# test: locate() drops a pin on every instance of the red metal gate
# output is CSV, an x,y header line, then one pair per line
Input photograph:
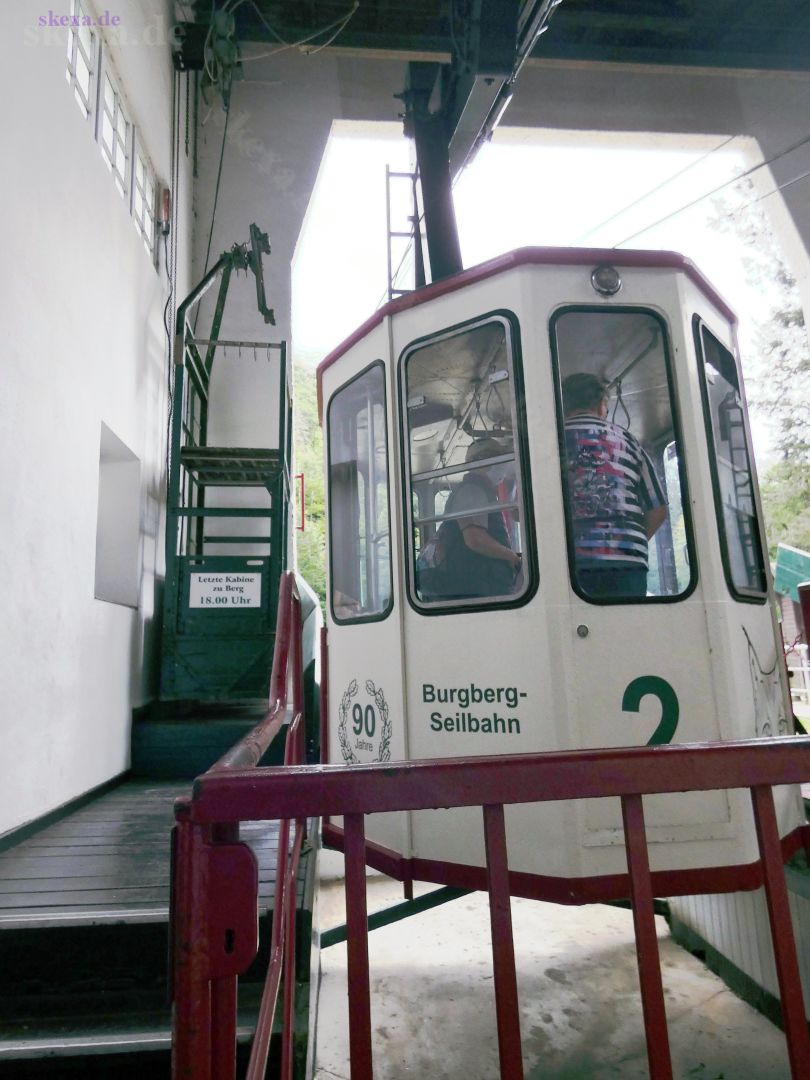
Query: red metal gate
x,y
302,792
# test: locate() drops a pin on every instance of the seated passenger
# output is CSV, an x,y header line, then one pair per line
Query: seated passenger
x,y
471,555
616,500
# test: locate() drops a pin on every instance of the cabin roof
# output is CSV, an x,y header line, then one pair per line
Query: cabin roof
x,y
526,256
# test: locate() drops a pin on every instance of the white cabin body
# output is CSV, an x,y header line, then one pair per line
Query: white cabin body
x,y
464,379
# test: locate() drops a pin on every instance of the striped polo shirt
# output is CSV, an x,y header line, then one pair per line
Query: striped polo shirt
x,y
611,484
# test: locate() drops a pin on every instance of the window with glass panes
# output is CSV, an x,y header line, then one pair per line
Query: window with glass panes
x,y
143,200
359,519
730,462
114,133
462,402
81,58
623,474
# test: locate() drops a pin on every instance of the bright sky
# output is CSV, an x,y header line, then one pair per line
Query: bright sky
x,y
527,187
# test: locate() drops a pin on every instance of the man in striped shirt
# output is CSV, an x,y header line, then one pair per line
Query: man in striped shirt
x,y
616,501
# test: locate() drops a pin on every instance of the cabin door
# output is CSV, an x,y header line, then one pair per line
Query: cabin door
x,y
365,667
638,634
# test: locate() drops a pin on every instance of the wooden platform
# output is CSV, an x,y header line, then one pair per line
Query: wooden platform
x,y
84,915
109,862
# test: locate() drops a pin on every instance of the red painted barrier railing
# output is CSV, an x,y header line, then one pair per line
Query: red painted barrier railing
x,y
215,888
223,799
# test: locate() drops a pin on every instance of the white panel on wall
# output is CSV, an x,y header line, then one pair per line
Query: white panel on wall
x,y
118,525
736,925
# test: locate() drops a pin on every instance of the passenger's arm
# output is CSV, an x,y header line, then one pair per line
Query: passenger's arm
x,y
478,539
654,519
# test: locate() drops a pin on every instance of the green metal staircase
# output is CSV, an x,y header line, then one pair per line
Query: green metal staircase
x,y
227,518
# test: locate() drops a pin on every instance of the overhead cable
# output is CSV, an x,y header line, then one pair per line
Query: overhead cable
x,y
720,187
768,194
653,190
799,98
338,25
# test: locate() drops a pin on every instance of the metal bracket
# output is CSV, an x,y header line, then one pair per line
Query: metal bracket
x,y
259,244
232,908
214,921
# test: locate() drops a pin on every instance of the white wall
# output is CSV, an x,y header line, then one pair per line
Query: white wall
x,y
83,345
281,115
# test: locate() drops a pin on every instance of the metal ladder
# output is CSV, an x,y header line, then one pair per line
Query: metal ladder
x,y
414,234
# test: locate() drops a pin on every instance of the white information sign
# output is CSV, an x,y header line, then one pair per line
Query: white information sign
x,y
225,590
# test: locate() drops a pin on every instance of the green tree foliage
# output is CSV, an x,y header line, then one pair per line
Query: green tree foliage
x,y
311,543
780,386
785,490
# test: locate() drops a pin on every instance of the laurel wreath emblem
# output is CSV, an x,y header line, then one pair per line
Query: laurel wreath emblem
x,y
385,734
386,729
348,754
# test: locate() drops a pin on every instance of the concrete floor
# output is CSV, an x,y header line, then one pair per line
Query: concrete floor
x,y
433,1005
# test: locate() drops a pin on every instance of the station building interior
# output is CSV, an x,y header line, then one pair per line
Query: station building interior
x,y
227,108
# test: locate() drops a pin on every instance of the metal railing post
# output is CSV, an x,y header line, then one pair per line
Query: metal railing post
x,y
649,963
191,1040
357,950
784,944
224,997
290,929
503,945
223,1027
324,697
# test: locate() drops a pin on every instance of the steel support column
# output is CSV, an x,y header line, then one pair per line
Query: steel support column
x,y
429,132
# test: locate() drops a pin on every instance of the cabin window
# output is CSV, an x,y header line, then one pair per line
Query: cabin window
x,y
465,468
623,478
729,452
359,522
81,57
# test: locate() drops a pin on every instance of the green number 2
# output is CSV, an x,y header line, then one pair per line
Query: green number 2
x,y
652,684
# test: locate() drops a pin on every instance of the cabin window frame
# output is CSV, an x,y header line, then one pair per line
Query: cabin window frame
x,y
747,596
677,429
431,608
376,616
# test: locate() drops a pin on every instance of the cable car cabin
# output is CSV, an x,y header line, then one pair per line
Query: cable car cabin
x,y
544,534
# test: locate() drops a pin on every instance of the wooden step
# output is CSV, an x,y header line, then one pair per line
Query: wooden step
x,y
84,908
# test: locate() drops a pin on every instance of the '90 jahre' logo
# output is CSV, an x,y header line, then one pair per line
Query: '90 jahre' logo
x,y
364,731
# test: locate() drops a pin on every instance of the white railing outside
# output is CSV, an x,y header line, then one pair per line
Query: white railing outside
x,y
798,664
